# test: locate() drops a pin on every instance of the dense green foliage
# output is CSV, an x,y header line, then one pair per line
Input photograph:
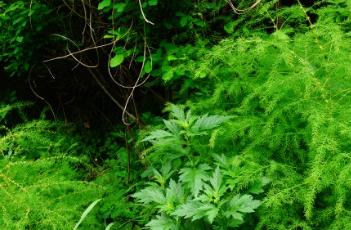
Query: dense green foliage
x,y
22,26
204,190
257,96
291,117
40,187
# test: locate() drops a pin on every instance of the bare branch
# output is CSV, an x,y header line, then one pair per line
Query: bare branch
x,y
143,14
241,11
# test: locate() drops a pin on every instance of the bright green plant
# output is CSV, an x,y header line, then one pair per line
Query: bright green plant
x,y
36,139
41,185
289,93
197,200
195,186
277,155
43,194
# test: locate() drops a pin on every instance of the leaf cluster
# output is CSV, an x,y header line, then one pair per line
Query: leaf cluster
x,y
22,26
193,185
289,95
42,182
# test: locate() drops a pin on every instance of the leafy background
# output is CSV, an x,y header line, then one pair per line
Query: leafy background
x,y
175,114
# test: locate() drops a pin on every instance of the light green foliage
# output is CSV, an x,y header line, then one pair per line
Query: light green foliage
x,y
36,139
289,93
184,134
40,185
276,155
42,194
193,187
118,176
85,213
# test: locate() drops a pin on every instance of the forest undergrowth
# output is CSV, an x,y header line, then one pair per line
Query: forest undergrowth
x,y
254,130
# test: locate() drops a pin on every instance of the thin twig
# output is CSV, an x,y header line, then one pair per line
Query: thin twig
x,y
143,14
137,84
241,11
77,52
37,95
110,96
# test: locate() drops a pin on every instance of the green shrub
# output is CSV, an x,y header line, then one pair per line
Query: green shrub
x,y
276,155
194,186
289,95
22,37
41,181
43,194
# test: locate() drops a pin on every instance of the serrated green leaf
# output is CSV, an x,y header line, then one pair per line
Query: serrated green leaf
x,y
176,111
244,204
166,170
187,210
235,215
158,177
208,210
174,191
149,195
162,223
194,178
216,180
197,210
172,126
158,134
206,122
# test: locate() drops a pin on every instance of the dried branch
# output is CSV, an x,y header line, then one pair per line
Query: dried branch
x,y
241,11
